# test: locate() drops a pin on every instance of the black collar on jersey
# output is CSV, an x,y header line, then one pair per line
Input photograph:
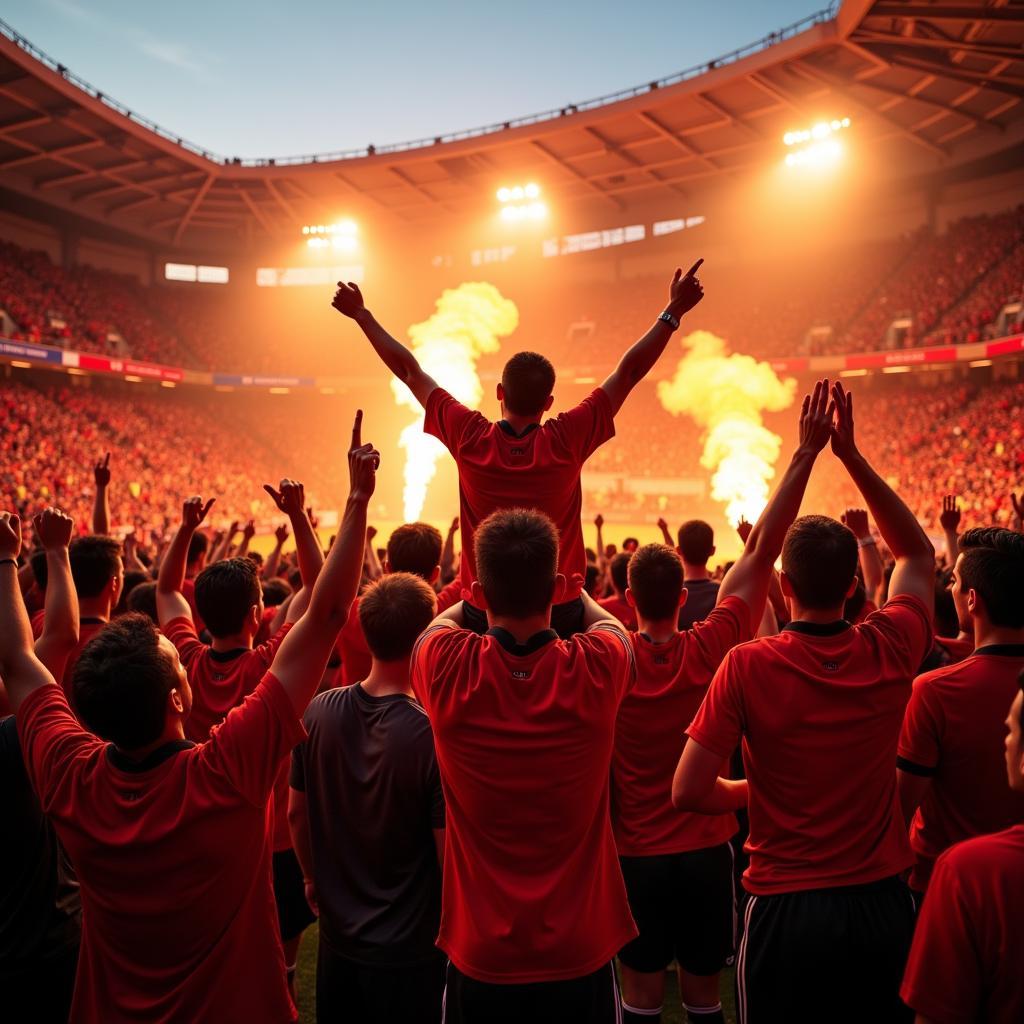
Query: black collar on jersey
x,y
1002,650
507,428
236,652
817,628
121,760
91,620
509,642
657,643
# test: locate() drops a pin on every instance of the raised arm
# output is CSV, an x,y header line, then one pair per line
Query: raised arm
x,y
750,577
602,557
665,535
220,547
684,294
302,656
915,557
60,624
856,520
395,356
101,501
21,670
949,520
170,602
273,562
248,532
371,563
291,500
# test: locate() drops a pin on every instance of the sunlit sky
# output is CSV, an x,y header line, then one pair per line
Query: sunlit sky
x,y
274,79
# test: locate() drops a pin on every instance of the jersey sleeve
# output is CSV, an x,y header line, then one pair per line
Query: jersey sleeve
x,y
267,650
586,427
943,979
904,631
53,743
182,633
434,650
247,749
718,724
921,735
710,640
613,651
449,420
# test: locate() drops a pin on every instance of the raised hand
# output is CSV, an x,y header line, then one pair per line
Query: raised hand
x,y
129,544
662,524
599,520
454,528
844,446
743,528
371,532
290,499
348,299
232,530
249,530
193,512
816,418
856,520
10,535
281,533
53,529
1017,501
949,518
685,292
101,471
314,521
363,462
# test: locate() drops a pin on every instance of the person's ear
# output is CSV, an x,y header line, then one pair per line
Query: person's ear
x,y
972,601
549,402
630,599
852,588
713,550
561,586
177,702
435,575
683,594
500,392
787,587
477,593
254,617
385,566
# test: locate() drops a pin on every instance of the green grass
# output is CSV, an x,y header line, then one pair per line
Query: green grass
x,y
305,987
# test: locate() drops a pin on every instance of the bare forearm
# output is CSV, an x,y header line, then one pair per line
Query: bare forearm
x,y
101,512
273,561
371,562
338,581
872,569
16,633
393,354
727,795
172,569
448,554
769,532
952,545
307,548
298,825
61,616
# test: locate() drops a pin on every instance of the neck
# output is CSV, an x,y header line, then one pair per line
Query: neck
x,y
822,615
518,423
521,629
173,730
695,572
94,608
233,642
985,634
388,677
658,630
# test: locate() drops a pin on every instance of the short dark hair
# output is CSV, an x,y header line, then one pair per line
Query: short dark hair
x,y
630,544
225,591
696,541
132,579
592,578
197,547
93,563
120,683
993,565
415,548
620,571
142,599
275,592
516,561
528,380
656,582
39,570
819,558
393,611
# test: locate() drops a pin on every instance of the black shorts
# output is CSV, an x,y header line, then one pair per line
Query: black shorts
x,y
293,913
684,905
825,954
592,999
566,619
370,994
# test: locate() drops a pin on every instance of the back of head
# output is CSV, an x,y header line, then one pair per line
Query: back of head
x,y
275,592
142,599
95,561
132,579
517,561
620,571
197,548
819,558
120,683
393,611
992,564
415,548
656,582
527,380
696,541
225,591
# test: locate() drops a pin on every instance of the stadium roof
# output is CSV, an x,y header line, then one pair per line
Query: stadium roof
x,y
938,83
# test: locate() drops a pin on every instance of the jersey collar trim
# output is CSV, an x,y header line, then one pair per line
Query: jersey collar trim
x,y
507,428
150,761
510,644
1002,650
817,628
237,652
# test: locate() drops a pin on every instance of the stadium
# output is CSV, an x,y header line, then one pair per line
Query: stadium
x,y
853,182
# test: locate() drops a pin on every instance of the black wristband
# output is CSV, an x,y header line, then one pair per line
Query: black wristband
x,y
13,561
669,319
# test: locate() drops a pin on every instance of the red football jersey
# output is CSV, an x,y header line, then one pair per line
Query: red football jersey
x,y
531,887
953,731
819,709
188,591
620,608
173,858
87,629
539,470
965,963
356,659
671,681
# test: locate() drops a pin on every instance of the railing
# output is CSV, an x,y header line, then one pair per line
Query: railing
x,y
772,39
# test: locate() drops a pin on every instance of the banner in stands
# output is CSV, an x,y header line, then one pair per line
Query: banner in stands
x,y
26,350
128,367
235,380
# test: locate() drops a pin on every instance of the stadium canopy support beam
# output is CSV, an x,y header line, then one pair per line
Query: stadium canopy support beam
x,y
687,147
579,175
192,207
635,162
944,12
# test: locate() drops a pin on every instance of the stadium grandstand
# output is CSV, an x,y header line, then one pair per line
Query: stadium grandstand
x,y
854,183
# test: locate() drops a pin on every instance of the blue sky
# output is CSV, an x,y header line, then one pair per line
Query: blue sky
x,y
274,79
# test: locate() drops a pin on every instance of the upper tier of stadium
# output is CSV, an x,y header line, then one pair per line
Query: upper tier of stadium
x,y
939,85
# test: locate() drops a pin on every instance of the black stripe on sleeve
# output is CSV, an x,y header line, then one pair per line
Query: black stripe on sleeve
x,y
914,769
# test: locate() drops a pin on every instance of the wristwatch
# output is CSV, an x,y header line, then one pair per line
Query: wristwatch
x,y
669,319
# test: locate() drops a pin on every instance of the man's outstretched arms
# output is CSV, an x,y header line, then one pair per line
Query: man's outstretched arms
x,y
395,356
684,294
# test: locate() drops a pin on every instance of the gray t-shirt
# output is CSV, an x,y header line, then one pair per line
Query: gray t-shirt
x,y
701,596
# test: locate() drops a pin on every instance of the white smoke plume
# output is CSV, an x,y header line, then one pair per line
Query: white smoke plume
x,y
725,394
467,323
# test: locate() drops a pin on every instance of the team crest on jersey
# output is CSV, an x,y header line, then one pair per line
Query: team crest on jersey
x,y
520,673
830,666
518,451
661,659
